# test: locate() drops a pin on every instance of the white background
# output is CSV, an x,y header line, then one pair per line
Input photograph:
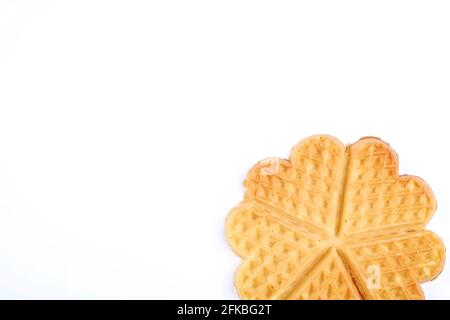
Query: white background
x,y
127,128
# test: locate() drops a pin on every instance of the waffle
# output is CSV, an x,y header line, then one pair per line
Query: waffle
x,y
334,222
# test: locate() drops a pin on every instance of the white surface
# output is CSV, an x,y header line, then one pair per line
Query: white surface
x,y
127,128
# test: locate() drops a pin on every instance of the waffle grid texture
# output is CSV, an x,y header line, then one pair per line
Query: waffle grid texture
x,y
317,224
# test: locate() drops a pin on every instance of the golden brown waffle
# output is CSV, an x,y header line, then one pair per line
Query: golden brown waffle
x,y
334,222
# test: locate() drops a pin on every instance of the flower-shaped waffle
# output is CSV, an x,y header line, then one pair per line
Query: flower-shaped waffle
x,y
334,222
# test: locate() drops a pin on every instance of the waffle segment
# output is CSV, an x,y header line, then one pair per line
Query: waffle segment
x,y
307,186
404,260
329,279
377,198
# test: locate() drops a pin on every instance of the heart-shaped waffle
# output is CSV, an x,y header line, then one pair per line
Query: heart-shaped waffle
x,y
334,222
